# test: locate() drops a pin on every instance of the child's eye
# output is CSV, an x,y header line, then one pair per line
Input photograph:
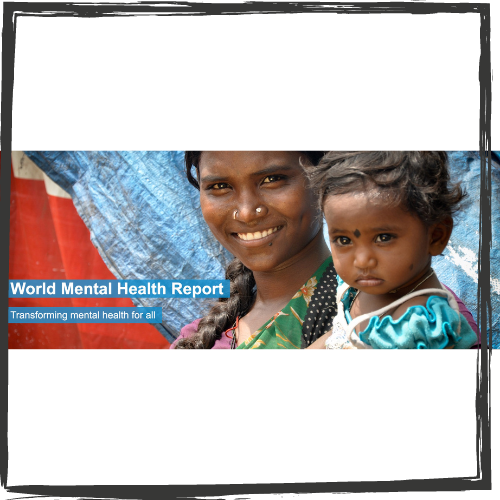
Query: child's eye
x,y
273,178
341,241
384,238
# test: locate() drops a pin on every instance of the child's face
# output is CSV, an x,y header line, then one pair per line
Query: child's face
x,y
376,247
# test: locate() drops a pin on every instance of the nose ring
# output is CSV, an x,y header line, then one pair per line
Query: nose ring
x,y
235,213
258,210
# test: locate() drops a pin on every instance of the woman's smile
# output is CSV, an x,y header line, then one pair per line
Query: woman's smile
x,y
256,238
258,205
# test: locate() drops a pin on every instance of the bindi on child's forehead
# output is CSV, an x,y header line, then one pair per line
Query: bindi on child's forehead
x,y
356,233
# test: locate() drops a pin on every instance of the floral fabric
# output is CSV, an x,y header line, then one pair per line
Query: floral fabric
x,y
285,329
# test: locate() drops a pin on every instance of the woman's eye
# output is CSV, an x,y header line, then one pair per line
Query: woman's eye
x,y
383,238
273,178
219,185
341,241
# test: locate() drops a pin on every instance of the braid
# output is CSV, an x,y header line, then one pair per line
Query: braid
x,y
224,313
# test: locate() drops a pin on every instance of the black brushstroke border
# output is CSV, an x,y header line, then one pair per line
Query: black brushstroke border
x,y
482,480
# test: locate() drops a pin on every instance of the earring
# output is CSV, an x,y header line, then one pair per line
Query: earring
x,y
235,213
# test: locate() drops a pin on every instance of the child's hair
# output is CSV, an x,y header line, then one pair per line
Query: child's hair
x,y
418,181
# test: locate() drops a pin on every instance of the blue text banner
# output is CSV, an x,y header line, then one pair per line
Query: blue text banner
x,y
120,288
85,315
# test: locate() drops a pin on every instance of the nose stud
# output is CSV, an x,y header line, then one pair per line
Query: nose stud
x,y
257,210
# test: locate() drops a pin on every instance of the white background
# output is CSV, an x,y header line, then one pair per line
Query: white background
x,y
285,74
320,81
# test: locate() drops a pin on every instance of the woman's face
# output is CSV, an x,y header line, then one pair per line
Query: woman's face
x,y
276,214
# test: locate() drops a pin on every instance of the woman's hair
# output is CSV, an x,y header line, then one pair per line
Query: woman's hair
x,y
223,314
192,159
417,181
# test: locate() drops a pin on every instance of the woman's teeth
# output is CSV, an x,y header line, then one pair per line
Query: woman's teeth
x,y
257,235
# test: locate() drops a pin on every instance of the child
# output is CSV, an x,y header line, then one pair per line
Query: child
x,y
388,214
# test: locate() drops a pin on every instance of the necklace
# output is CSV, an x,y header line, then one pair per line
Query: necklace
x,y
419,283
233,329
395,290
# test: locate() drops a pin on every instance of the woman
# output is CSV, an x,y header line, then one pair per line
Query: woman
x,y
259,206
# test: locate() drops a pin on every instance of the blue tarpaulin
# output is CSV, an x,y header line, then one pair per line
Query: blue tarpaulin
x,y
145,220
458,267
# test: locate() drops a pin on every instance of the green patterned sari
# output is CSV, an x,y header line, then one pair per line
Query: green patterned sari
x,y
285,329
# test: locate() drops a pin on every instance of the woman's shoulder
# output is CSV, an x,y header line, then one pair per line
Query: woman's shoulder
x,y
324,274
465,312
186,332
314,305
435,325
189,330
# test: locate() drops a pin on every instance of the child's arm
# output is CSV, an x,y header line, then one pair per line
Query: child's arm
x,y
421,300
413,325
413,302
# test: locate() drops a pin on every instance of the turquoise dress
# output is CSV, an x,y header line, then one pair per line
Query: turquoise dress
x,y
437,325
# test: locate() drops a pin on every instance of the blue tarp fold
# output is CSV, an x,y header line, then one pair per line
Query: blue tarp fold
x,y
144,219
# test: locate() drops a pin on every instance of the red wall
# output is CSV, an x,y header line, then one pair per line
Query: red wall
x,y
48,240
